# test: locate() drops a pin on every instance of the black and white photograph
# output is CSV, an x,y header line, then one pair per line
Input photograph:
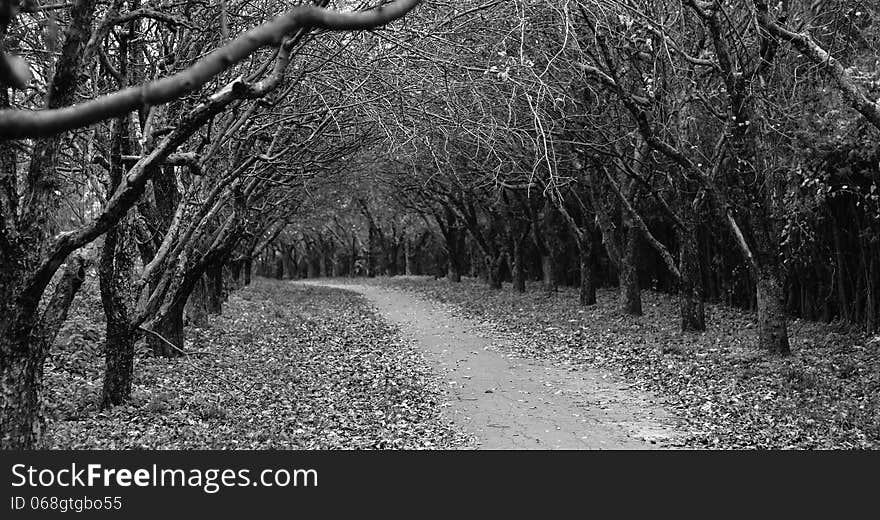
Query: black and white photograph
x,y
276,227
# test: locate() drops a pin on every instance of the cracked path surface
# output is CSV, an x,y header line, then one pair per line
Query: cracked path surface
x,y
514,403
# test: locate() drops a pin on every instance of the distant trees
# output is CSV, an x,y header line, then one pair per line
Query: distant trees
x,y
720,151
185,175
703,148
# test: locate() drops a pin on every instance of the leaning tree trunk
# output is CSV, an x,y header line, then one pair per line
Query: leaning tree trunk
x,y
772,321
630,293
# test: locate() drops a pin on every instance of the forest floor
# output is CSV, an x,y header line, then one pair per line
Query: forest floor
x,y
510,402
284,367
728,393
423,363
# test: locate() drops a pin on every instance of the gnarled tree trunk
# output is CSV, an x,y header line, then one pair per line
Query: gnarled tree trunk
x,y
24,345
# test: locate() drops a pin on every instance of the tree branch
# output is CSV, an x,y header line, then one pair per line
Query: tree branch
x,y
16,124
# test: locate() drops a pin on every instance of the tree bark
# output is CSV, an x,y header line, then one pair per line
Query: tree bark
x,y
587,293
214,289
289,260
693,312
170,327
453,274
519,274
118,362
407,257
248,267
196,306
547,272
772,324
493,270
21,382
630,292
23,349
117,297
235,273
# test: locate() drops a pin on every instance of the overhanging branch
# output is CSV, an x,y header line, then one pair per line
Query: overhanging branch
x,y
17,124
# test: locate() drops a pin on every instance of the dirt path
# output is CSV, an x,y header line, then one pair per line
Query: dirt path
x,y
512,403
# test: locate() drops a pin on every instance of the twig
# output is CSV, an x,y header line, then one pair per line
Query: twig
x,y
200,369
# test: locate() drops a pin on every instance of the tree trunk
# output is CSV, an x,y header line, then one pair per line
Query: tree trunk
x,y
547,271
289,262
24,344
170,327
519,274
455,249
21,383
371,252
278,273
214,289
493,270
248,267
118,362
772,326
335,265
453,274
117,298
693,313
630,293
322,265
235,272
352,268
407,257
587,294
196,305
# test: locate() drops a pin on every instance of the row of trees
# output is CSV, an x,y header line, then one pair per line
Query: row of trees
x,y
186,149
719,150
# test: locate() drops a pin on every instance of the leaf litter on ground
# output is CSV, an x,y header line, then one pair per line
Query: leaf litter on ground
x,y
284,367
826,395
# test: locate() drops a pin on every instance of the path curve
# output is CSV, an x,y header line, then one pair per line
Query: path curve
x,y
515,403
